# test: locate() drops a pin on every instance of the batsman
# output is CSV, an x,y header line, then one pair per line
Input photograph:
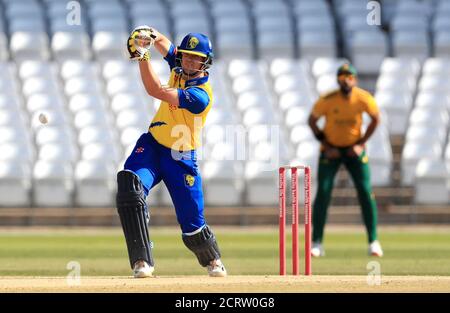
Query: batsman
x,y
167,151
342,142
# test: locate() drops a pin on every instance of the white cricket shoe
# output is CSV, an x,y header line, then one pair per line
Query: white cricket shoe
x,y
317,250
375,249
142,269
216,269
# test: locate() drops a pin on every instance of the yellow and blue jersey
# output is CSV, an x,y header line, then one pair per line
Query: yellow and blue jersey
x,y
179,127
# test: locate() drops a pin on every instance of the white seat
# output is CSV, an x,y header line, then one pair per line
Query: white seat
x,y
317,44
442,44
33,68
130,135
76,85
109,45
95,184
42,101
58,151
15,184
388,82
11,134
288,82
105,151
259,181
431,182
127,101
296,116
221,183
380,156
93,134
128,118
295,98
400,67
274,44
17,151
108,24
301,133
84,118
70,45
238,67
368,45
117,68
411,44
326,83
121,85
423,133
251,99
322,66
36,84
10,117
411,155
424,116
29,45
255,116
432,100
87,101
53,184
434,84
246,83
76,68
436,66
53,134
229,49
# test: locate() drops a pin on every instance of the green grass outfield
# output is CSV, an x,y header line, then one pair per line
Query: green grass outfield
x,y
246,251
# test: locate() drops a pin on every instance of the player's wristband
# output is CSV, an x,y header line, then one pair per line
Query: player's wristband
x,y
320,136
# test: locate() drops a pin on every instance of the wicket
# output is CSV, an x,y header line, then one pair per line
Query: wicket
x,y
307,218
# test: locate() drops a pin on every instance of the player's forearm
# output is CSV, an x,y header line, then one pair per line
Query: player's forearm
x,y
312,122
149,78
369,131
162,43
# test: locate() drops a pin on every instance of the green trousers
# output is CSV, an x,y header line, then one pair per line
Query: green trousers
x,y
358,168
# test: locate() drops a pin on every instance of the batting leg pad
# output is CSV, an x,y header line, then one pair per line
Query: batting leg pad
x,y
204,245
132,211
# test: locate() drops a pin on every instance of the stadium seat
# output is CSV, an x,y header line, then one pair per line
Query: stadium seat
x,y
87,101
52,184
442,44
71,45
95,184
54,134
412,154
75,68
29,46
89,117
371,46
15,184
221,183
76,85
411,44
431,182
109,45
259,182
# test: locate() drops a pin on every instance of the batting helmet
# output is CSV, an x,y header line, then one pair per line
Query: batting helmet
x,y
198,44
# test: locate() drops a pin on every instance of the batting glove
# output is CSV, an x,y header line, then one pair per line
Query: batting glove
x,y
140,41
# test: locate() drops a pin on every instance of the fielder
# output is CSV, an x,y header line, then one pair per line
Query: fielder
x,y
167,152
343,143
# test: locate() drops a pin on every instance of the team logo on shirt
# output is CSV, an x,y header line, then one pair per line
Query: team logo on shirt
x,y
189,180
139,150
193,42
